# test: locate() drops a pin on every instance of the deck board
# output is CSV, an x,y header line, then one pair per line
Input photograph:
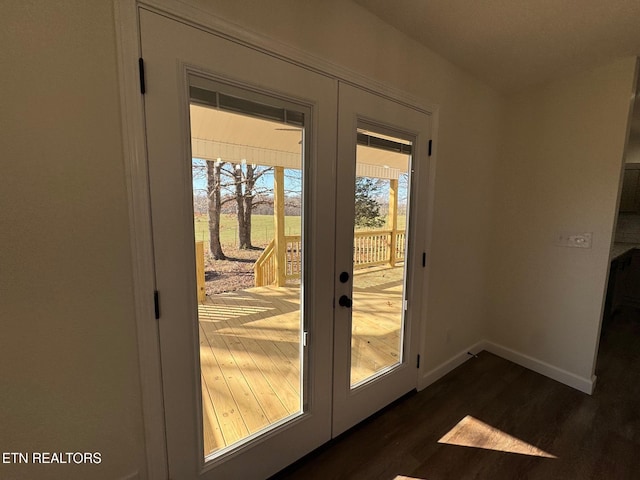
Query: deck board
x,y
248,406
264,355
225,409
249,350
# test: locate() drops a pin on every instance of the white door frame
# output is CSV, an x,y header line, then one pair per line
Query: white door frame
x,y
135,160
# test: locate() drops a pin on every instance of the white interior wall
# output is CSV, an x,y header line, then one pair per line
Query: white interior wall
x,y
560,170
70,379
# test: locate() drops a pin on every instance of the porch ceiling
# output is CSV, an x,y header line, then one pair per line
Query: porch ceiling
x,y
234,138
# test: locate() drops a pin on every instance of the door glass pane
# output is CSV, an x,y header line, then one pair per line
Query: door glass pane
x,y
379,245
247,202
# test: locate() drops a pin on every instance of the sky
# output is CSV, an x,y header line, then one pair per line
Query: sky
x,y
292,182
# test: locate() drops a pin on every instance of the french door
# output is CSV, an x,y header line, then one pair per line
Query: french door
x,y
244,157
382,160
243,395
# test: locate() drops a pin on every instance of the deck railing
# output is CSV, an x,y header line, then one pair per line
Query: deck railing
x,y
265,267
370,248
400,246
293,256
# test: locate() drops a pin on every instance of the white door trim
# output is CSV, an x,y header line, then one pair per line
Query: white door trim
x,y
126,14
192,15
135,161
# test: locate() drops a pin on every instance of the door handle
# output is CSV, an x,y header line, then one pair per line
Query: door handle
x,y
345,301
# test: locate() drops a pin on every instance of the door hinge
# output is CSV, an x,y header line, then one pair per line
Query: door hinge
x,y
418,361
143,85
406,305
430,142
156,303
424,259
305,339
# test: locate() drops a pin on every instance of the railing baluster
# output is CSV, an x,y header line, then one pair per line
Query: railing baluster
x,y
369,248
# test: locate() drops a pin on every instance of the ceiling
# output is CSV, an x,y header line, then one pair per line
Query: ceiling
x,y
236,138
512,44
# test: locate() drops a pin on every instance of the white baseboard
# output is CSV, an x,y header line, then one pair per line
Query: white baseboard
x,y
585,385
582,384
441,370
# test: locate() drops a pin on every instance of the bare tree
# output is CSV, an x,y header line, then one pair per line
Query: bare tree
x,y
215,206
249,185
236,184
236,173
247,197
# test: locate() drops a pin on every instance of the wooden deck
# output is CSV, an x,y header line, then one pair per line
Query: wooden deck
x,y
249,351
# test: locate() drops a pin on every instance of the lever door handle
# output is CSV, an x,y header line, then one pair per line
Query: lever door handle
x,y
345,301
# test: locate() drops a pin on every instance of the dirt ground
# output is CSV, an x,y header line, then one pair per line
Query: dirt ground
x,y
235,273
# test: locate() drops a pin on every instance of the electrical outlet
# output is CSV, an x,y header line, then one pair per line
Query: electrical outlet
x,y
574,240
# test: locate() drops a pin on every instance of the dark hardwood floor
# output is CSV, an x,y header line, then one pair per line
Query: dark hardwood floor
x,y
592,437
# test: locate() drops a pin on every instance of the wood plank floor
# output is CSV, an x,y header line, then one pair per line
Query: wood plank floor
x,y
249,351
518,425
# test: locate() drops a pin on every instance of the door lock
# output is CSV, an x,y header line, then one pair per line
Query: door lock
x,y
345,301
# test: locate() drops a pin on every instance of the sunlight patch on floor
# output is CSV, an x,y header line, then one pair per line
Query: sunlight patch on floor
x,y
402,477
471,432
221,313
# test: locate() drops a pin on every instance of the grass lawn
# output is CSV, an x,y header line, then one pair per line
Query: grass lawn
x,y
261,225
262,231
